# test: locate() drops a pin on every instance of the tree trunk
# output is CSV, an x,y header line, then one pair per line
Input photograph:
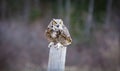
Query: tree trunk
x,y
26,10
68,11
36,4
108,13
3,9
60,8
89,19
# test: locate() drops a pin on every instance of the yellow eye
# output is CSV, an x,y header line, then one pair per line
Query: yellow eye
x,y
60,23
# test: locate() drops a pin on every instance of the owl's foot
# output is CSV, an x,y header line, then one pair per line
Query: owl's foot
x,y
51,44
59,45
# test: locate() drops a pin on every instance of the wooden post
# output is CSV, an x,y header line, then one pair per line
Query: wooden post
x,y
57,58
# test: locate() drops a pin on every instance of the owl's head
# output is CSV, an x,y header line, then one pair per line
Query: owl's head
x,y
56,24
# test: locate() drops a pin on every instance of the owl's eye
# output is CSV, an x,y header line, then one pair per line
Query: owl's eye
x,y
57,25
51,26
60,22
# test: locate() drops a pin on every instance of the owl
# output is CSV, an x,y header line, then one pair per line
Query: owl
x,y
57,33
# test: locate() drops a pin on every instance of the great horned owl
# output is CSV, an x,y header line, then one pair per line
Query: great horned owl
x,y
58,33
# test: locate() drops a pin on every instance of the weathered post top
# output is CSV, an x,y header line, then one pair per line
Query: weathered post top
x,y
59,37
57,59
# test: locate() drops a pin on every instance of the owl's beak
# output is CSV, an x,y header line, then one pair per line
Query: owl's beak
x,y
53,29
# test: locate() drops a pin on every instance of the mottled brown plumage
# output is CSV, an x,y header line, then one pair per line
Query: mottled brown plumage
x,y
58,33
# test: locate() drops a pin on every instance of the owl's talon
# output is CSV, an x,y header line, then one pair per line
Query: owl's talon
x,y
58,45
51,44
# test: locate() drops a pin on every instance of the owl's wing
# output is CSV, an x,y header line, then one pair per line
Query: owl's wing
x,y
65,31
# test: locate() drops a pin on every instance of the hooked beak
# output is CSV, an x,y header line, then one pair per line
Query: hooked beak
x,y
53,29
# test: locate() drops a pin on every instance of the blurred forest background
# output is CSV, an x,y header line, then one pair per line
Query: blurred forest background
x,y
94,26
